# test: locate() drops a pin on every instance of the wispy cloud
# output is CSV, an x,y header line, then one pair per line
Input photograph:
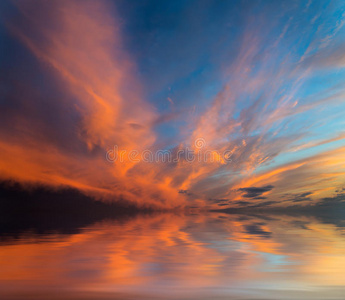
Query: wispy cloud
x,y
255,89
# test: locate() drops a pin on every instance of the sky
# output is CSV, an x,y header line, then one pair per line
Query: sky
x,y
108,97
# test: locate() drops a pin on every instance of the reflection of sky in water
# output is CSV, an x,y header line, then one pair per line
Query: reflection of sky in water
x,y
168,255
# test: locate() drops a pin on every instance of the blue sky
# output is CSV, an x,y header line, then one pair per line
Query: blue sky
x,y
262,79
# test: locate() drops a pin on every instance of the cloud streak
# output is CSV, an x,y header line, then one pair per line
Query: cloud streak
x,y
79,88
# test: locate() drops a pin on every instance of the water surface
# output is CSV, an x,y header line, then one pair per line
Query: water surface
x,y
178,256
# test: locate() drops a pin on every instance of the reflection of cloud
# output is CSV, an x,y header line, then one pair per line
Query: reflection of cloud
x,y
256,229
191,257
300,224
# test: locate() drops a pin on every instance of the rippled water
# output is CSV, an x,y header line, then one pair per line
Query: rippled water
x,y
163,256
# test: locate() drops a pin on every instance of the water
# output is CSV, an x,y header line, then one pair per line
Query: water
x,y
178,256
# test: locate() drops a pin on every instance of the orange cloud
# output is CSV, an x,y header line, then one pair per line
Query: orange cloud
x,y
61,137
82,48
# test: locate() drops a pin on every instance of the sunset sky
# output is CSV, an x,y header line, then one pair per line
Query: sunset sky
x,y
263,81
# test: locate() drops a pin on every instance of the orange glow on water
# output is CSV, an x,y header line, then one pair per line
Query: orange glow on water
x,y
193,253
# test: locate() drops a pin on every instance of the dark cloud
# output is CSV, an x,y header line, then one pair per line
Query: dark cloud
x,y
306,194
264,204
337,200
183,192
330,210
218,200
299,197
255,192
243,203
